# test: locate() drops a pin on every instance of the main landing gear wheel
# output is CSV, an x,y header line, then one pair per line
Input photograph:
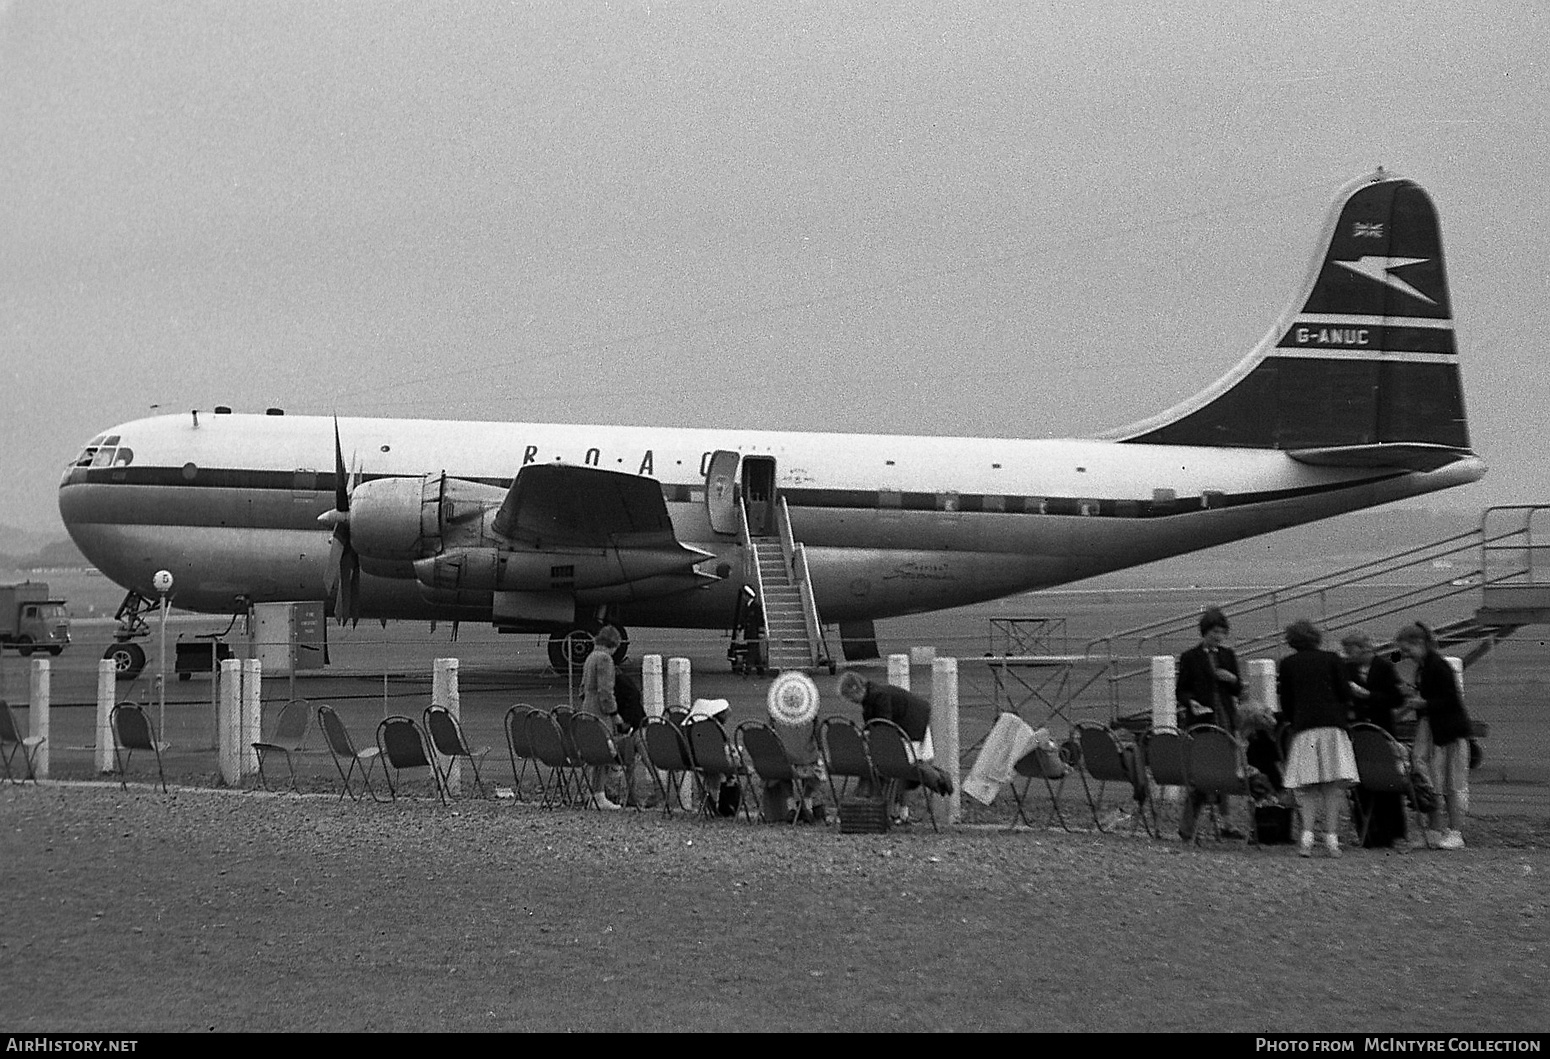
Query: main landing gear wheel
x,y
571,648
127,659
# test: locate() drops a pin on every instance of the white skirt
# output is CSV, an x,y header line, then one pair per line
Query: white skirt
x,y
1320,755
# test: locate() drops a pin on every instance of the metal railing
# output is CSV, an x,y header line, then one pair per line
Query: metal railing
x,y
1502,550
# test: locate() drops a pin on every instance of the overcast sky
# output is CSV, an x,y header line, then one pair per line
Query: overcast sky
x,y
1013,219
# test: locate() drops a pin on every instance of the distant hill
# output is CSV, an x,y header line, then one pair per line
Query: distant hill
x,y
52,555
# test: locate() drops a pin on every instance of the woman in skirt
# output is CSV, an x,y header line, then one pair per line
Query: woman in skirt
x,y
1316,702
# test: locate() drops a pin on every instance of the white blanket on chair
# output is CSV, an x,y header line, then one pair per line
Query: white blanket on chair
x,y
1008,741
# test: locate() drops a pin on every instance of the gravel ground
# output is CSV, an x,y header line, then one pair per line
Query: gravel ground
x,y
241,911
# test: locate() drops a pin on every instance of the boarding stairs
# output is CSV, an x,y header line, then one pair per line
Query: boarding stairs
x,y
1503,566
777,568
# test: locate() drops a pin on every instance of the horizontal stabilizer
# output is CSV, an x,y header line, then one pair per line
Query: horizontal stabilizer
x,y
1404,457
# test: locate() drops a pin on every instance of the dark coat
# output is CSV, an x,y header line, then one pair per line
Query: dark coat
x,y
1444,709
1197,680
1313,690
905,709
1386,690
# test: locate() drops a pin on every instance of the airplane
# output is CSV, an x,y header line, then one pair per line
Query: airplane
x,y
1351,400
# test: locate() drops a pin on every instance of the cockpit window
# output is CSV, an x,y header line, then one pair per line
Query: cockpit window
x,y
90,452
106,452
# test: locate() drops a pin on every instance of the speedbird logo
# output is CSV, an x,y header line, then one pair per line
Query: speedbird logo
x,y
1381,269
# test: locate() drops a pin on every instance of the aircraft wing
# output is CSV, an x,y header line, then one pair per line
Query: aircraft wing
x,y
563,506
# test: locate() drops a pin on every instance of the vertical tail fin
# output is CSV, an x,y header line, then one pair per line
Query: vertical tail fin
x,y
1363,360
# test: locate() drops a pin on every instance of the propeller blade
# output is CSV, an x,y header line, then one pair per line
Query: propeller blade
x,y
352,603
331,571
343,577
341,493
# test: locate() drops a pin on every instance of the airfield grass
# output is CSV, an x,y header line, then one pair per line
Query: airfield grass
x,y
237,911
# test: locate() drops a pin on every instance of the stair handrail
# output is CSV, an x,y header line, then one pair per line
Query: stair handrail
x,y
796,556
751,561
1275,597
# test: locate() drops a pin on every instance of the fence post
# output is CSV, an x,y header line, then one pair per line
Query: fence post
x,y
228,728
248,726
1165,669
944,730
107,680
444,692
38,723
1262,684
651,691
899,671
679,695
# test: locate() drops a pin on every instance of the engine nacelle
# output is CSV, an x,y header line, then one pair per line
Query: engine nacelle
x,y
411,518
389,520
504,570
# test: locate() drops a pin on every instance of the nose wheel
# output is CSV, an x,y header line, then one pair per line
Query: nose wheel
x,y
127,658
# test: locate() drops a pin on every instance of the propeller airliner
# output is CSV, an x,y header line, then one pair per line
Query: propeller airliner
x,y
1353,399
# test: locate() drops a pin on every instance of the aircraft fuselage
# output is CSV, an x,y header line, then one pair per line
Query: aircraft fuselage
x,y
230,503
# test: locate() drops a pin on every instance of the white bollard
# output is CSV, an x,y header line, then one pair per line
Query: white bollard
x,y
252,714
679,695
651,691
228,723
1165,671
944,730
899,671
107,681
1261,685
444,692
38,723
1165,674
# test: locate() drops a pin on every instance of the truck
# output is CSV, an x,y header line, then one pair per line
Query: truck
x,y
31,621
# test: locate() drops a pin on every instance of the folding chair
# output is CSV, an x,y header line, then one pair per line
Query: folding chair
x,y
341,746
564,716
845,756
12,741
543,734
893,759
716,759
595,746
1105,761
766,755
1162,755
447,737
667,751
131,732
1382,767
1214,765
518,745
403,746
286,738
1040,763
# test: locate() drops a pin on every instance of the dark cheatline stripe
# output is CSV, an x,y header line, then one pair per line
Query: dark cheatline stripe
x,y
814,499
